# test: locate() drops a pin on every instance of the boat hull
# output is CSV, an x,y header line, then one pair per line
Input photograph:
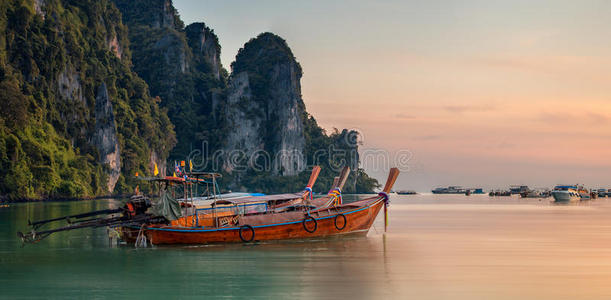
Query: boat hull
x,y
358,219
565,196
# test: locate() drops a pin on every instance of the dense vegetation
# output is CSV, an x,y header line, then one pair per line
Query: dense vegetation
x,y
51,64
55,55
317,139
175,70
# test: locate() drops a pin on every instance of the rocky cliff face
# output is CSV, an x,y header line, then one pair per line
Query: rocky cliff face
x,y
264,104
165,18
256,110
38,8
69,85
114,46
287,108
243,117
105,136
182,66
171,47
76,137
205,46
78,120
152,13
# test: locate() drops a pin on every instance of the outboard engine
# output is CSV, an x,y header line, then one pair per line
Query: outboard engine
x,y
133,213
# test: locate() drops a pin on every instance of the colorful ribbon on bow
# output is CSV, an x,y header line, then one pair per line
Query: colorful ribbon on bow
x,y
386,205
336,193
309,189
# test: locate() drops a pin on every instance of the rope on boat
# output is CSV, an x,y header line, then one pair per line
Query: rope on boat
x,y
141,241
386,198
113,233
336,195
309,189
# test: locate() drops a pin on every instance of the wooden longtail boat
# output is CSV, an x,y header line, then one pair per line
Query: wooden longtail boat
x,y
305,221
274,217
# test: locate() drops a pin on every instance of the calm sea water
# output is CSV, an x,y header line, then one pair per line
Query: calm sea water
x,y
437,247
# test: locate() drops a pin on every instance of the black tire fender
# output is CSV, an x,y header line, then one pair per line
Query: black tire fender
x,y
345,221
242,228
306,228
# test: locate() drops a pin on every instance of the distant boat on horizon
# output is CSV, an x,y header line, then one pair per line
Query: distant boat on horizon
x,y
406,192
499,193
449,190
570,193
536,194
518,189
477,191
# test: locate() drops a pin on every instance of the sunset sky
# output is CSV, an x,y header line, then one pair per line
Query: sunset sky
x,y
481,93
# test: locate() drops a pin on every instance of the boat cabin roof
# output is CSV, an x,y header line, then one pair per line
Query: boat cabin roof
x,y
204,174
565,187
163,179
278,197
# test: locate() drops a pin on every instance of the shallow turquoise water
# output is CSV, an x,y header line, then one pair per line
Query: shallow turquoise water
x,y
437,247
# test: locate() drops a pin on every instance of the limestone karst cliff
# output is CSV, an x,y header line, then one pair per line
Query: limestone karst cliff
x,y
206,49
264,105
93,92
255,115
76,121
182,66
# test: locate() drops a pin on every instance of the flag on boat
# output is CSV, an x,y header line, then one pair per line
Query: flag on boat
x,y
176,169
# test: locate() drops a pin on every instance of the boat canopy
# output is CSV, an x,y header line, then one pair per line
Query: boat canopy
x,y
167,206
278,197
565,187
